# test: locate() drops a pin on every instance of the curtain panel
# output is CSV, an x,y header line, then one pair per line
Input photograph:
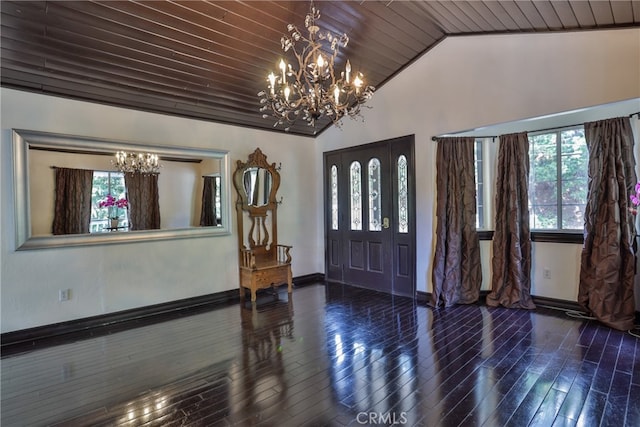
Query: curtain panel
x,y
72,208
511,263
457,271
608,259
144,201
250,187
208,215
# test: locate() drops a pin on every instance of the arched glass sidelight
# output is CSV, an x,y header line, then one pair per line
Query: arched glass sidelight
x,y
403,208
356,195
375,210
334,197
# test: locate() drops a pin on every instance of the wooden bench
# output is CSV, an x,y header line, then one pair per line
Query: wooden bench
x,y
263,262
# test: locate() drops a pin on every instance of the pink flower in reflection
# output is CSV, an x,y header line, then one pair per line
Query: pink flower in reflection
x,y
110,201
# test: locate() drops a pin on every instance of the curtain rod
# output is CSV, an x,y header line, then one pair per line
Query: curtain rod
x,y
434,138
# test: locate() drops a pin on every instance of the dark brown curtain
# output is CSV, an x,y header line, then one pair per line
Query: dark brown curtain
x,y
511,281
144,203
72,209
457,272
249,188
608,259
208,215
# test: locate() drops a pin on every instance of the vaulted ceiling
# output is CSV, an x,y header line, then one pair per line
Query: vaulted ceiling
x,y
209,59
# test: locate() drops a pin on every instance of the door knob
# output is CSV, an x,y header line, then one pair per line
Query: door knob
x,y
385,222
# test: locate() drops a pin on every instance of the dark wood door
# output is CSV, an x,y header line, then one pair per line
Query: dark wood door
x,y
369,205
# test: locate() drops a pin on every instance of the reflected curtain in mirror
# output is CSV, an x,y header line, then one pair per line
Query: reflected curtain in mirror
x,y
208,216
144,201
607,266
257,186
457,272
72,210
511,263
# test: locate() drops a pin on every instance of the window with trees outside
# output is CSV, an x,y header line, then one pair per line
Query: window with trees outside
x,y
478,160
558,179
104,183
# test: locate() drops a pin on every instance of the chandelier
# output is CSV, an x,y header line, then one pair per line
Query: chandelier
x,y
136,162
312,88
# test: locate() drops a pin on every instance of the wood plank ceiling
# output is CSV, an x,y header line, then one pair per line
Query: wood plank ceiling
x,y
209,59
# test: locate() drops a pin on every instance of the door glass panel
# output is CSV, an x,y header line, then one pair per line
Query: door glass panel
x,y
334,197
374,196
356,196
403,209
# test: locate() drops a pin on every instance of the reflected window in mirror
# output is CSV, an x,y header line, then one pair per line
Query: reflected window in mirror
x,y
107,183
218,199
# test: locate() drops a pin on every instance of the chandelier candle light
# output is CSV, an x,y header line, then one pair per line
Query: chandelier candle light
x,y
313,89
136,162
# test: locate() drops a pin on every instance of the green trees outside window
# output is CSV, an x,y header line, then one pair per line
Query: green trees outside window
x,y
106,182
558,179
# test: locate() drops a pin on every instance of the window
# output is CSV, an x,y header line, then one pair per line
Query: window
x,y
218,198
105,182
478,157
558,179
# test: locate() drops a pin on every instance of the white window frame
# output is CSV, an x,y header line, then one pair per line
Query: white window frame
x,y
485,175
559,208
97,225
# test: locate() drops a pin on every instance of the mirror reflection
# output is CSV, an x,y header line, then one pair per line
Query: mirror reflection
x,y
257,186
69,189
77,193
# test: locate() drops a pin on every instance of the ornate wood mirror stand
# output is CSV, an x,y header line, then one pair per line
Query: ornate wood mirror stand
x,y
263,262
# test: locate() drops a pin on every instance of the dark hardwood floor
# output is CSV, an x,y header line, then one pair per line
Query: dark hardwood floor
x,y
334,356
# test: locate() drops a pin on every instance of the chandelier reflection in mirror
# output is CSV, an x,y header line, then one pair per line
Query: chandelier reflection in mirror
x,y
136,162
313,89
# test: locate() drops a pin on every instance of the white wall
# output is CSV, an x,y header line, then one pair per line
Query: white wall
x,y
463,83
476,81
116,277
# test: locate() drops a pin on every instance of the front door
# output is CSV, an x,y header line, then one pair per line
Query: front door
x,y
369,205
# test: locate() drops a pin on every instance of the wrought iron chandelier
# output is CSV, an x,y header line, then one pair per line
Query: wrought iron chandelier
x,y
313,88
136,162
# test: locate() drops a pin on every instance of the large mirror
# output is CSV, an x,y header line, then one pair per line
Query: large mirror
x,y
189,182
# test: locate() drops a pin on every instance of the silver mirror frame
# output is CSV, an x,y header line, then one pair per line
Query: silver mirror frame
x,y
24,139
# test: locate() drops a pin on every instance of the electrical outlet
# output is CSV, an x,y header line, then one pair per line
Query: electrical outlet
x,y
64,294
547,273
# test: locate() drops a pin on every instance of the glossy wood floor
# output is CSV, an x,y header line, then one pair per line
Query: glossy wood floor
x,y
334,356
